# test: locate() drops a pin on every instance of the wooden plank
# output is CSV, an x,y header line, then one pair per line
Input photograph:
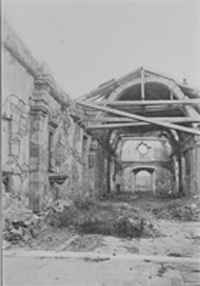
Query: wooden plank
x,y
142,85
125,138
151,108
140,118
124,119
113,126
150,102
119,125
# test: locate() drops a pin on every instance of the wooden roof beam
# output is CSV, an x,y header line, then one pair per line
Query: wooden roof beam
x,y
124,119
121,125
150,102
140,118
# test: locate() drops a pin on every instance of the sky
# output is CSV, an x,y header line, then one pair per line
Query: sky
x,y
86,43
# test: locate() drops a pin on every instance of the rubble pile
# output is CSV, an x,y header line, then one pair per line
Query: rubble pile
x,y
178,210
92,217
120,226
21,226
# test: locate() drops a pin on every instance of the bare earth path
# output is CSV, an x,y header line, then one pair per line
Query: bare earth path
x,y
76,260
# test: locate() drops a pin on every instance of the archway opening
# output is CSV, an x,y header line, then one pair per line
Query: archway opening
x,y
143,181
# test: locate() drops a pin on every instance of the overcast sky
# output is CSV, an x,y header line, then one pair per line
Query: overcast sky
x,y
86,43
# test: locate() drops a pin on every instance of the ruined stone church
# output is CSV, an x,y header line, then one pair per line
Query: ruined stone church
x,y
140,132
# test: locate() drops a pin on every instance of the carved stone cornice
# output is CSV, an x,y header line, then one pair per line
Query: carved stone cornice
x,y
38,108
28,67
40,79
55,91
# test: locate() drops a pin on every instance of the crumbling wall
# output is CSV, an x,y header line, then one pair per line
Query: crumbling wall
x,y
155,151
69,157
152,154
127,180
165,181
198,166
100,172
191,168
17,89
41,136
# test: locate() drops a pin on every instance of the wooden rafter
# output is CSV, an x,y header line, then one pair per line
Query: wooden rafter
x,y
140,118
150,102
142,85
124,119
120,125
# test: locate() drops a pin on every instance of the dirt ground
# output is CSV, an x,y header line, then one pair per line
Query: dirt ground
x,y
175,237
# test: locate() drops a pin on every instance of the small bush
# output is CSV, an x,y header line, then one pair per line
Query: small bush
x,y
177,211
94,225
120,227
83,204
91,217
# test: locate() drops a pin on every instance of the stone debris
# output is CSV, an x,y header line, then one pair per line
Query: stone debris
x,y
21,226
178,210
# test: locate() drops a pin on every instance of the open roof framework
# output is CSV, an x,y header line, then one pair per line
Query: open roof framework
x,y
142,102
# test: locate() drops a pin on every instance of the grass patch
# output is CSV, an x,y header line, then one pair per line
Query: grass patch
x,y
178,210
106,218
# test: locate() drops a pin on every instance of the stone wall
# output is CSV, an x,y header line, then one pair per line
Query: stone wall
x,y
164,180
17,89
45,150
190,152
154,156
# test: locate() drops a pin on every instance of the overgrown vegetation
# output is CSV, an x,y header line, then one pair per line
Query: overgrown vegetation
x,y
179,209
125,215
92,217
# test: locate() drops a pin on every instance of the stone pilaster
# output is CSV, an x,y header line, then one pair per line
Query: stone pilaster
x,y
198,162
92,167
38,161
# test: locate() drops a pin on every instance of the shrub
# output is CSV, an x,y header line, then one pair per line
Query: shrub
x,y
89,217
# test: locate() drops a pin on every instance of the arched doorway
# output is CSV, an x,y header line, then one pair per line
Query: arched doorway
x,y
144,179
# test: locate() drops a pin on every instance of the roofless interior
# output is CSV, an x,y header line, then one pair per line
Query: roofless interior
x,y
141,107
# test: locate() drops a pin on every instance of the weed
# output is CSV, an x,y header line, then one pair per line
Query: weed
x,y
91,217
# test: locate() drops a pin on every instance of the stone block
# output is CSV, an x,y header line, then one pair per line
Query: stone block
x,y
34,151
16,184
7,201
33,163
38,137
15,126
15,148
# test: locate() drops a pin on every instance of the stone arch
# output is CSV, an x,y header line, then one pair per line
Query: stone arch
x,y
170,84
148,169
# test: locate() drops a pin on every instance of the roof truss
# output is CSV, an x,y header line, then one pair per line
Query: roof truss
x,y
139,117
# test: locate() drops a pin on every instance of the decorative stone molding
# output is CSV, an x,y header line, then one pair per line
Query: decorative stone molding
x,y
59,95
30,69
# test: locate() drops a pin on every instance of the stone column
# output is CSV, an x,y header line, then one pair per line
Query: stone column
x,y
38,160
91,165
176,174
153,176
134,181
198,163
108,174
85,164
183,174
112,174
